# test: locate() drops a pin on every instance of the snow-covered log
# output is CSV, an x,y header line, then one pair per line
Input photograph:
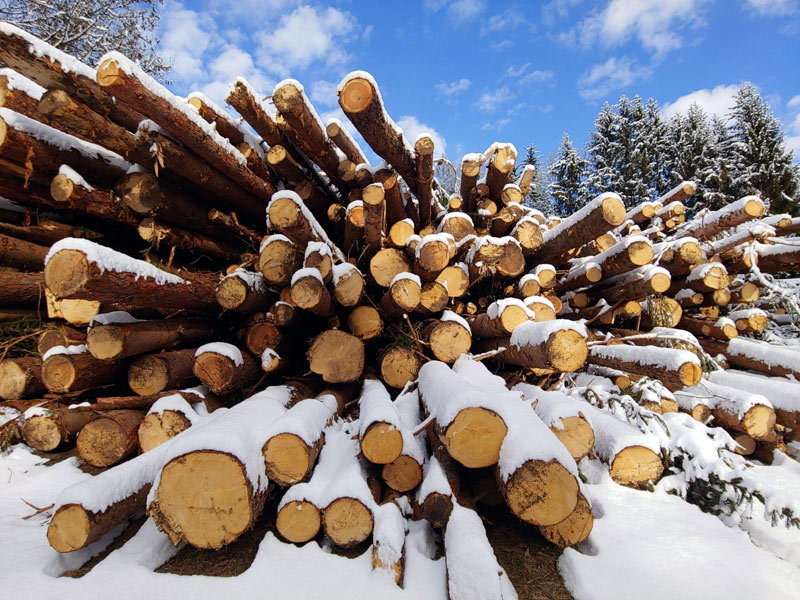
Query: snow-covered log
x,y
118,335
224,368
674,368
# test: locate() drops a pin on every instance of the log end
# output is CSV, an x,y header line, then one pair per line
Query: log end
x,y
109,74
287,98
42,433
61,188
59,373
576,434
148,375
613,210
759,421
156,428
347,522
337,356
542,493
218,372
690,373
13,380
449,340
402,474
69,529
105,342
572,530
103,442
298,522
205,498
382,443
356,95
567,350
365,322
66,273
288,459
399,366
475,436
635,466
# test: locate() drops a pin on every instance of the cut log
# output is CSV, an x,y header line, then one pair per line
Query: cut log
x,y
224,368
19,93
337,356
61,335
456,279
755,356
721,329
399,366
21,378
634,285
434,298
423,165
380,434
21,289
706,226
492,256
169,416
114,339
449,337
21,254
80,269
361,101
157,234
572,530
278,259
146,194
73,368
53,69
309,292
386,264
287,214
109,439
374,215
500,318
431,255
499,169
365,323
674,368
214,114
318,256
403,296
55,427
564,418
156,373
467,418
103,204
243,292
552,346
124,80
457,224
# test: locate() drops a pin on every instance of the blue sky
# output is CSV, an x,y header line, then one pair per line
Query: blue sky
x,y
472,72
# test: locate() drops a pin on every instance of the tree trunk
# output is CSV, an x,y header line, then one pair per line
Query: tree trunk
x,y
21,289
21,254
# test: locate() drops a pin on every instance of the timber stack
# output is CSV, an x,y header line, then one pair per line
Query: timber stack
x,y
246,307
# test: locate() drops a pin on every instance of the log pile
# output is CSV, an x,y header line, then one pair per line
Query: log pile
x,y
328,349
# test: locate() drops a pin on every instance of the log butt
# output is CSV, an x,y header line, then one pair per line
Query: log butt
x,y
382,443
577,436
347,522
541,493
449,340
475,436
21,377
108,440
298,522
572,530
66,273
337,356
42,433
156,428
288,458
205,499
567,350
402,474
69,530
399,366
635,466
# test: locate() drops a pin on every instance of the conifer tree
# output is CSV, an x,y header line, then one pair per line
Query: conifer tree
x,y
603,148
537,196
567,178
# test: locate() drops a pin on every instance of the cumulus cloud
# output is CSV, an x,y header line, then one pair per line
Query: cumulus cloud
x,y
602,79
715,101
490,101
323,93
412,128
656,25
185,36
793,129
305,35
453,87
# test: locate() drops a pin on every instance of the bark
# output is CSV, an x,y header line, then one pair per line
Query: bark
x,y
344,142
374,215
423,164
628,359
20,254
222,122
236,294
103,204
60,426
63,373
17,99
21,289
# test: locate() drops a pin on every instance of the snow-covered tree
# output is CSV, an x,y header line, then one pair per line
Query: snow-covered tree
x,y
567,178
537,196
656,148
604,150
724,161
87,29
764,164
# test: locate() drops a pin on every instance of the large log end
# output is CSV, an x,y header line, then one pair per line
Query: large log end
x,y
66,273
69,529
475,436
356,95
542,493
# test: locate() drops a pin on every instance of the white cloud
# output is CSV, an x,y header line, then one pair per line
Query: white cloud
x,y
504,22
794,102
324,93
557,10
537,76
502,45
489,101
515,71
655,24
793,139
453,87
305,35
185,36
496,125
459,11
412,128
771,8
615,73
367,33
716,101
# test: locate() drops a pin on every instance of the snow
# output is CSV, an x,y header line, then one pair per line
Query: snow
x,y
700,222
659,543
408,409
612,435
307,272
473,572
223,349
533,333
496,308
488,239
668,358
275,237
406,275
531,300
449,315
177,403
769,354
700,271
268,358
316,228
577,217
389,534
106,259
781,393
40,48
74,177
550,406
15,81
306,419
130,68
376,406
74,349
112,318
341,270
717,396
254,281
61,140
434,481
319,248
446,218
746,313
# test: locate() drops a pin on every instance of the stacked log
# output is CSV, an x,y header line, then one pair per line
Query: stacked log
x,y
338,330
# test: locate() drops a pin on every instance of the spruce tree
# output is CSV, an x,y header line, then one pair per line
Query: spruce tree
x,y
567,178
603,149
764,166
537,196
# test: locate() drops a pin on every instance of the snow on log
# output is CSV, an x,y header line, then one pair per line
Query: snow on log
x,y
243,291
755,355
678,194
287,214
405,472
224,367
783,394
558,345
72,368
501,318
123,79
388,541
19,93
782,255
308,292
380,430
48,427
80,269
706,225
213,484
675,368
172,414
744,411
467,418
361,101
721,329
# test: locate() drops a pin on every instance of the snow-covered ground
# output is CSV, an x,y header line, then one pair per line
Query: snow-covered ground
x,y
644,544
